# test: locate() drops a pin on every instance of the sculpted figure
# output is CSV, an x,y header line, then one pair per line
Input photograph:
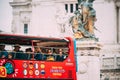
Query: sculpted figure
x,y
89,15
83,22
76,23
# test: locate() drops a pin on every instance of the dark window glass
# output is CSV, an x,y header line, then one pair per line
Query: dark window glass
x,y
71,8
76,6
25,28
66,7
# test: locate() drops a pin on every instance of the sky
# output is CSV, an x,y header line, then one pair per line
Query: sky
x,y
5,15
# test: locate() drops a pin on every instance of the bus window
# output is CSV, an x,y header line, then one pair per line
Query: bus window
x,y
50,55
61,55
43,53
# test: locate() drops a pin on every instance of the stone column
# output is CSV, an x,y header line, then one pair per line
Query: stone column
x,y
118,18
68,7
119,23
15,22
34,20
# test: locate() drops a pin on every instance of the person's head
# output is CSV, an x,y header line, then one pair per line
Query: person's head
x,y
60,51
3,56
17,47
28,50
37,49
9,56
2,46
49,51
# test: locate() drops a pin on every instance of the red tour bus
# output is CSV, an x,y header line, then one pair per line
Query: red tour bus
x,y
39,58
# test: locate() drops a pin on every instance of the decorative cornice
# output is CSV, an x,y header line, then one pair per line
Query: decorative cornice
x,y
20,3
50,2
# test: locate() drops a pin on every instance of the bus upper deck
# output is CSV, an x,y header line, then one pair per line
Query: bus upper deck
x,y
39,58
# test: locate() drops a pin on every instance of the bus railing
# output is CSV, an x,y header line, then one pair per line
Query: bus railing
x,y
32,56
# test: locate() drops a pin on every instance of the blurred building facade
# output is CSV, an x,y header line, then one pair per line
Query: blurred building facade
x,y
51,18
110,66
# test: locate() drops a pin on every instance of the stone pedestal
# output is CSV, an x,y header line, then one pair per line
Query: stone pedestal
x,y
88,60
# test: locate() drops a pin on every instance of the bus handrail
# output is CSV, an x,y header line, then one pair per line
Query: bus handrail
x,y
28,54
